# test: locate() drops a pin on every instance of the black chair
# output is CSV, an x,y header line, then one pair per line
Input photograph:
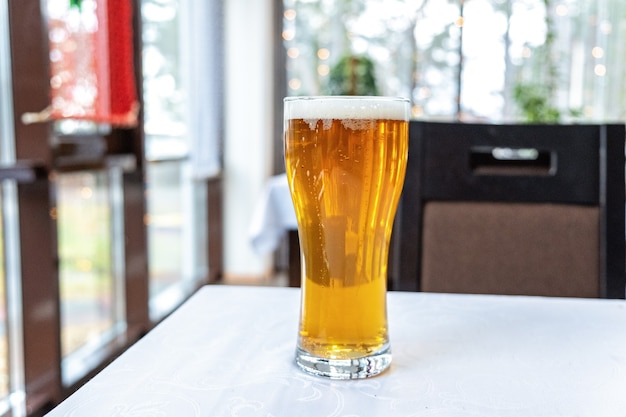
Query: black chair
x,y
512,209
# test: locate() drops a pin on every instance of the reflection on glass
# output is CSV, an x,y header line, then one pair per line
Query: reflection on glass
x,y
166,138
176,208
163,70
86,265
165,221
176,234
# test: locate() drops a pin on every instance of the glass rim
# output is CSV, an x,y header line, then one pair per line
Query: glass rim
x,y
347,107
346,97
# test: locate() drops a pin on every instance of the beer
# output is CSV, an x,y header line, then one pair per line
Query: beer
x,y
345,161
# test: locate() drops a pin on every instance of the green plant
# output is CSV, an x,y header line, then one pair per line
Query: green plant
x,y
534,99
534,103
353,75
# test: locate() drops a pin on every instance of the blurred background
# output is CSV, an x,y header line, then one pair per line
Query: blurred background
x,y
107,228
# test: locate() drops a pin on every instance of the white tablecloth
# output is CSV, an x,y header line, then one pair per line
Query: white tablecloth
x,y
273,216
229,352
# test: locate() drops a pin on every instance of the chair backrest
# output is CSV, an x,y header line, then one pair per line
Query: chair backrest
x,y
512,209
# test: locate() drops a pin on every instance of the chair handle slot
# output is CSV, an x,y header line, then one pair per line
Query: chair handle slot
x,y
487,160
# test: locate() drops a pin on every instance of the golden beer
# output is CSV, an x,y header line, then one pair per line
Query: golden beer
x,y
345,160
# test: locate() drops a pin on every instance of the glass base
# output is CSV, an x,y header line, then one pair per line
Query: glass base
x,y
356,368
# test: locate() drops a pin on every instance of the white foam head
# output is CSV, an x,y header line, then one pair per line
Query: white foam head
x,y
346,107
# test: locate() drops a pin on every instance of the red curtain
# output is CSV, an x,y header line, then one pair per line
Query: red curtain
x,y
91,61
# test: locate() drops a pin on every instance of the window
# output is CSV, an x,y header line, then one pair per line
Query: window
x,y
104,230
492,60
90,273
182,127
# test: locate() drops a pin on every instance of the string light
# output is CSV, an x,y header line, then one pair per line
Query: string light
x,y
289,34
606,27
323,53
295,84
597,52
293,52
290,14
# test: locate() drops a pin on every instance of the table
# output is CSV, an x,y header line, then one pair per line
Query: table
x,y
228,351
273,216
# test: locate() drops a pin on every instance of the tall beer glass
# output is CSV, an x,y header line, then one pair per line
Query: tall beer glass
x,y
345,159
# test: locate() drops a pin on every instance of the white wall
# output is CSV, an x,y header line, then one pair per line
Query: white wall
x,y
249,115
